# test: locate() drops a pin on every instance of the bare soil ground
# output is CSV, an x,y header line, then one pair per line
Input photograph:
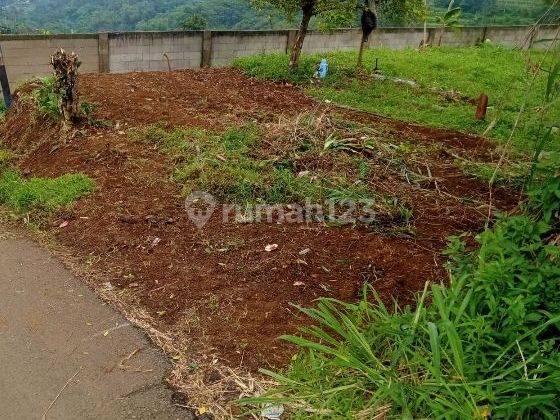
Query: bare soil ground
x,y
218,286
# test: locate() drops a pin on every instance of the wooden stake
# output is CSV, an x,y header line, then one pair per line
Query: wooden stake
x,y
482,107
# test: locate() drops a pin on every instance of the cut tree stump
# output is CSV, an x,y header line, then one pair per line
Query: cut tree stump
x,y
66,73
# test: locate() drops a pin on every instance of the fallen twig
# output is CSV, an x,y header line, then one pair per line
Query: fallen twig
x,y
60,392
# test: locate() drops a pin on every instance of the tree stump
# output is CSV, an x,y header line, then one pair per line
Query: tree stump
x,y
66,73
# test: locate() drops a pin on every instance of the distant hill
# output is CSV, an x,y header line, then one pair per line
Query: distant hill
x,y
128,15
115,15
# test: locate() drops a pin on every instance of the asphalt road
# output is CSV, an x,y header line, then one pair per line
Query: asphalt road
x,y
64,353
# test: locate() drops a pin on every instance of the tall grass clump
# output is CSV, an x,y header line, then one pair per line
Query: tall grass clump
x,y
485,346
42,194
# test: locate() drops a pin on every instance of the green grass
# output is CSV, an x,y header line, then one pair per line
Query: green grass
x,y
41,194
233,167
501,73
225,165
486,345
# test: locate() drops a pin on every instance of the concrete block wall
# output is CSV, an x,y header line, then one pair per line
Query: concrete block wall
x,y
545,37
460,37
509,36
318,42
27,56
397,38
228,45
147,51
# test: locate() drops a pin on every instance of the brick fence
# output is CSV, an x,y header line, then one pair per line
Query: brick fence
x,y
27,56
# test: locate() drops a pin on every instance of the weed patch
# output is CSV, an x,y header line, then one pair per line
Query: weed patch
x,y
240,167
42,194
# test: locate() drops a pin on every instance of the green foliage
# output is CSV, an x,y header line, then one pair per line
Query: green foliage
x,y
42,194
451,17
194,23
487,68
47,100
401,12
119,15
486,346
493,12
6,157
48,103
337,12
53,16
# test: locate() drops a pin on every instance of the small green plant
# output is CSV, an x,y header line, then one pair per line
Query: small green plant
x,y
47,100
42,194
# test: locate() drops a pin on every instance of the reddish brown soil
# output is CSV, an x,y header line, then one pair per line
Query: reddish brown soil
x,y
219,283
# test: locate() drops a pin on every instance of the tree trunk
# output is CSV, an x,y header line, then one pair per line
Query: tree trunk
x,y
370,4
441,33
307,9
425,39
361,53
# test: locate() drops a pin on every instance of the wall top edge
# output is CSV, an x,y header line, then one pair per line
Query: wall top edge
x,y
24,37
17,37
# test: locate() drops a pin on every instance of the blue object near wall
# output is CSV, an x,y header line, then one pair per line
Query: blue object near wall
x,y
323,68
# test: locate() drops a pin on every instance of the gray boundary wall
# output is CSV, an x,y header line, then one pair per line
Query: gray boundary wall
x,y
27,56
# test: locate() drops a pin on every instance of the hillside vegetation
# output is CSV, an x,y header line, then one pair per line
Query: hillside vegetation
x,y
116,15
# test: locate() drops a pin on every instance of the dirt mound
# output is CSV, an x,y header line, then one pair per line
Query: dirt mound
x,y
210,98
218,285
